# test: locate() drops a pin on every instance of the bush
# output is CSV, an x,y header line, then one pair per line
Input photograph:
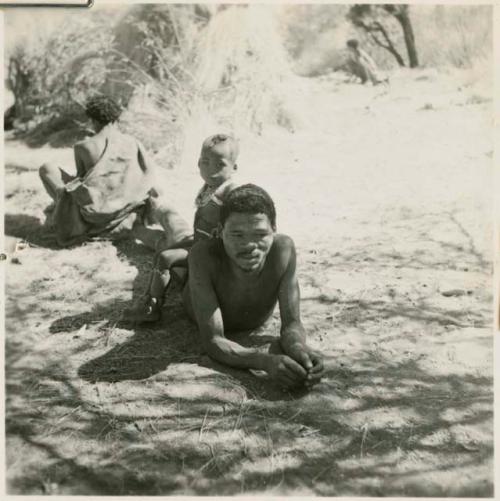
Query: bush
x,y
315,36
453,35
173,67
52,77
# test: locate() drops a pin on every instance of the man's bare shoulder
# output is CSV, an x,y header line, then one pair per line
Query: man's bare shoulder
x,y
282,253
84,143
87,153
283,244
108,133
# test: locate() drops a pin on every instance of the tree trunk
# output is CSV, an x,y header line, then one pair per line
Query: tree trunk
x,y
405,22
18,84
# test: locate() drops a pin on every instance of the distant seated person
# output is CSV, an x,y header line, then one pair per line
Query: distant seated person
x,y
235,282
217,165
360,64
111,184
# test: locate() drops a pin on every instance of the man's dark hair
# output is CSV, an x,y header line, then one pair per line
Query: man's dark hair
x,y
249,199
353,43
103,109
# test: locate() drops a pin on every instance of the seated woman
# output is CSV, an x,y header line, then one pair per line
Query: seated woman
x,y
112,179
360,64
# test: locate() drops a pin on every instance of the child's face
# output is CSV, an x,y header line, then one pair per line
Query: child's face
x,y
215,168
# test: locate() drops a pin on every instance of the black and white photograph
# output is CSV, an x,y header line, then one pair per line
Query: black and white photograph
x,y
249,249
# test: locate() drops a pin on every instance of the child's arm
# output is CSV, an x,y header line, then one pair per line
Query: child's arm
x,y
223,191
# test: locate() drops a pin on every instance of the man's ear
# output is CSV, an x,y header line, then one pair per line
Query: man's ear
x,y
235,167
97,126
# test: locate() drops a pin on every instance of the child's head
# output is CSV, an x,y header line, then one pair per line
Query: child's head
x,y
217,160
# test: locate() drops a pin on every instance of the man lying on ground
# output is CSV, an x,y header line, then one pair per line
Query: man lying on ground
x,y
111,183
235,282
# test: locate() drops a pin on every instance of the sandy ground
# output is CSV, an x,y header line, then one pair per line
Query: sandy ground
x,y
387,193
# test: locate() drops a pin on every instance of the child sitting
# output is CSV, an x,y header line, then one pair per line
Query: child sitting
x,y
217,164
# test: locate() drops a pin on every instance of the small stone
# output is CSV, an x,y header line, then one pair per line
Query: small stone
x,y
453,293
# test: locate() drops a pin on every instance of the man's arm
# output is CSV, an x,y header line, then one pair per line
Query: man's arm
x,y
293,336
292,330
208,316
81,160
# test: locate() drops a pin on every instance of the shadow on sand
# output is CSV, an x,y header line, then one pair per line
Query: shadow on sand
x,y
385,458
30,229
373,427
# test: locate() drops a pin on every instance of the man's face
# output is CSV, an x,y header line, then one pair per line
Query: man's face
x,y
215,167
247,240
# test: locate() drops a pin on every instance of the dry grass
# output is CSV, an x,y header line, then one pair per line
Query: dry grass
x,y
387,206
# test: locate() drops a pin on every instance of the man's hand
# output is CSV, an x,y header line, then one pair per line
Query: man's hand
x,y
310,360
286,371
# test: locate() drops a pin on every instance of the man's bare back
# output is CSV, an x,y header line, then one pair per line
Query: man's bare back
x,y
89,151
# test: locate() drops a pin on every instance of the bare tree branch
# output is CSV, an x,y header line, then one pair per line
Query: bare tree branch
x,y
390,47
